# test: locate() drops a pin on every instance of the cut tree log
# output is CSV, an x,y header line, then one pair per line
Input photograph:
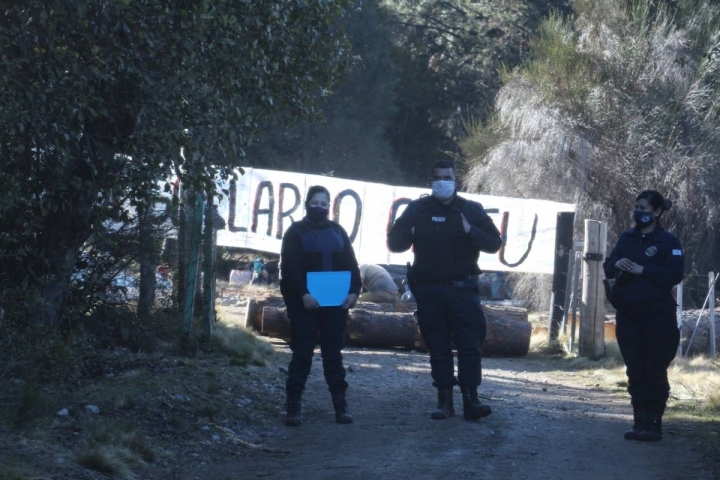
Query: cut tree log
x,y
255,305
254,309
383,329
508,331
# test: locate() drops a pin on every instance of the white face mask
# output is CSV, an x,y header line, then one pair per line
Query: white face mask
x,y
443,189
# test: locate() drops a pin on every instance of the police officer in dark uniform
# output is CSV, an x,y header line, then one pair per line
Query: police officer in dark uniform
x,y
447,233
316,244
645,265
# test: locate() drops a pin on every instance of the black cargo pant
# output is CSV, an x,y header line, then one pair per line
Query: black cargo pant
x,y
330,323
447,313
648,338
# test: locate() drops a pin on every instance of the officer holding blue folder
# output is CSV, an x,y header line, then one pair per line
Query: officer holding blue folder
x,y
316,244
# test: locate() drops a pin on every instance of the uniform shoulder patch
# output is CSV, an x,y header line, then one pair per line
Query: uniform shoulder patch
x,y
677,252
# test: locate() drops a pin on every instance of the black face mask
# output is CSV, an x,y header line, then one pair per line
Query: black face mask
x,y
317,214
642,219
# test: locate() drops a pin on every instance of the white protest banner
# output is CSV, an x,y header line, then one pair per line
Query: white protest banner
x,y
263,203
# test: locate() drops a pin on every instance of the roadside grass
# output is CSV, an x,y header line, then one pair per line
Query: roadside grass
x,y
152,404
694,404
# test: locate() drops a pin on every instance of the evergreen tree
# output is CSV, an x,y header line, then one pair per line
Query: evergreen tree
x,y
622,98
448,59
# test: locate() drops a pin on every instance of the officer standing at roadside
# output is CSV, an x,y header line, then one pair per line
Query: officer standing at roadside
x,y
646,264
447,233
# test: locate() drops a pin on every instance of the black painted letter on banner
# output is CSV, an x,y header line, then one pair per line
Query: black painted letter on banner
x,y
503,234
266,184
231,208
358,210
281,201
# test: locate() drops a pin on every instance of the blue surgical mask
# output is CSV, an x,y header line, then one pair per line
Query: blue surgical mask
x,y
642,219
443,189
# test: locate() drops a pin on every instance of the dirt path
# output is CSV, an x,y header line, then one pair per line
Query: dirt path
x,y
543,427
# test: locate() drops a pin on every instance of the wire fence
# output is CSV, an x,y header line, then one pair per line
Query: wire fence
x,y
689,286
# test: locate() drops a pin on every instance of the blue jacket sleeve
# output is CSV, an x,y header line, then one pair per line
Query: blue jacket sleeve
x,y
485,235
671,271
292,269
400,236
609,264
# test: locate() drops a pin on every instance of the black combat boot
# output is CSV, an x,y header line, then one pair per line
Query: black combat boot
x,y
445,407
342,414
638,422
293,418
652,426
472,408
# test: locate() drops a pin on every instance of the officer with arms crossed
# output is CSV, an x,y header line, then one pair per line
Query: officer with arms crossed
x,y
447,234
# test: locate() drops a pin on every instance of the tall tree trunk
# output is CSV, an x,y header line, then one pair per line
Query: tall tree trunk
x,y
62,235
148,259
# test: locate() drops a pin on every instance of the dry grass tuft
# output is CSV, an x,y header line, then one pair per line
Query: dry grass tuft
x,y
696,379
116,449
242,345
114,461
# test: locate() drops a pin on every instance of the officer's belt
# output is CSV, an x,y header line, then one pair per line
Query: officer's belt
x,y
453,282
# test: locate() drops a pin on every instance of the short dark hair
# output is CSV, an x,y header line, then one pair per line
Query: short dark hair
x,y
313,190
442,164
655,200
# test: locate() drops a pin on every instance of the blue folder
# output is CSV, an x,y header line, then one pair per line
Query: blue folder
x,y
329,288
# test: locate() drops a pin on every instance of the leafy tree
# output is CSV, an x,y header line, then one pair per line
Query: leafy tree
x,y
622,98
350,141
100,96
449,54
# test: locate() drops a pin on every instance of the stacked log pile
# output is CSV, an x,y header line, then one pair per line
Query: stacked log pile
x,y
386,325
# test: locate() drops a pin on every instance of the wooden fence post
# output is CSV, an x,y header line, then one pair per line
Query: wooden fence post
x,y
592,318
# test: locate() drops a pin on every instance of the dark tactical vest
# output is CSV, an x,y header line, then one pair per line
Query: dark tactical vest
x,y
323,247
443,251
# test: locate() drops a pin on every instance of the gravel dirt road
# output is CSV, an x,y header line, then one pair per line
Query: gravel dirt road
x,y
546,424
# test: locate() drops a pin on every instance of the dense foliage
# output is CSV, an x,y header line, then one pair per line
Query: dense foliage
x,y
102,99
426,68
